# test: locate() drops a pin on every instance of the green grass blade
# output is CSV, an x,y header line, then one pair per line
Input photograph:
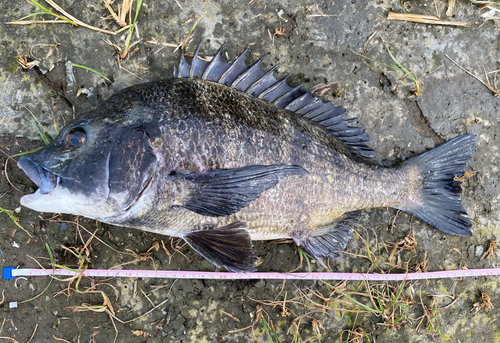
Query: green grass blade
x,y
92,70
50,282
400,66
27,152
44,138
375,61
400,291
47,11
380,304
395,60
137,9
368,308
305,256
266,329
14,220
31,15
132,26
67,268
37,4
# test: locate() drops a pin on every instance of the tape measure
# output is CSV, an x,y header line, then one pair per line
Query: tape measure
x,y
11,272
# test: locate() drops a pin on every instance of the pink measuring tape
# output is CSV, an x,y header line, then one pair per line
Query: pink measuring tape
x,y
11,273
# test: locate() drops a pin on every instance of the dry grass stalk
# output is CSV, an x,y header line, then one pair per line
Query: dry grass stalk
x,y
491,249
407,243
451,6
67,16
137,333
176,247
230,316
488,11
421,267
123,11
464,177
484,305
33,334
189,36
423,19
25,63
493,88
358,335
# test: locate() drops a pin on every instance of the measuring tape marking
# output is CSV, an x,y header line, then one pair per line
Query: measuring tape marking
x,y
11,273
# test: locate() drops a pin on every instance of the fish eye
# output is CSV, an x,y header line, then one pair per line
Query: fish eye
x,y
76,137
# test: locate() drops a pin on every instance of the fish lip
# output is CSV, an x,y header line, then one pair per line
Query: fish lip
x,y
42,177
27,199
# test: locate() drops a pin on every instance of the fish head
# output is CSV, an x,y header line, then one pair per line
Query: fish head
x,y
94,167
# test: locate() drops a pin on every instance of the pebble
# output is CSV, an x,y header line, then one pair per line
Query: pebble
x,y
479,250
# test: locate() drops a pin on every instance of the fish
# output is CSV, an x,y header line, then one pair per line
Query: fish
x,y
223,154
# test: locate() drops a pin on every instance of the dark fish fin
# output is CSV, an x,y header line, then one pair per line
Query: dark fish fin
x,y
328,241
198,66
262,84
229,246
221,192
440,205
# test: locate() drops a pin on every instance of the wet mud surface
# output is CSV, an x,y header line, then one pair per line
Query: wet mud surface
x,y
316,43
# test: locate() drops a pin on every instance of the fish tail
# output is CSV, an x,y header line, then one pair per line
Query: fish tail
x,y
440,203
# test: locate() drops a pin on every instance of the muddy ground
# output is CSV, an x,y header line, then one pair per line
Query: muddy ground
x,y
315,41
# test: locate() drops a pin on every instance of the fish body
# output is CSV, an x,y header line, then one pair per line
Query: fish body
x,y
223,154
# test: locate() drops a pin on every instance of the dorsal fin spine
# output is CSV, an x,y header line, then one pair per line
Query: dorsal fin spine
x,y
194,62
263,85
213,63
246,74
228,77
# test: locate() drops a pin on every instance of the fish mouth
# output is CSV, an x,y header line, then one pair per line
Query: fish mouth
x,y
43,178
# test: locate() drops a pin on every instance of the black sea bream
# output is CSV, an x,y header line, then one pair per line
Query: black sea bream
x,y
223,154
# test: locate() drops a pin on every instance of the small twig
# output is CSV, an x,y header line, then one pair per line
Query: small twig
x,y
423,19
12,339
33,334
178,4
230,316
493,90
451,6
60,339
78,22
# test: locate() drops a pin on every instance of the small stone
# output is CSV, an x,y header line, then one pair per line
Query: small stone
x,y
63,227
479,250
17,210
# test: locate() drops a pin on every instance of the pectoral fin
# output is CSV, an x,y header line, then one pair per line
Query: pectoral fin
x,y
229,247
222,192
331,239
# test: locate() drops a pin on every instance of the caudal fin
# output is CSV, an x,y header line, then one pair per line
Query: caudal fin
x,y
441,204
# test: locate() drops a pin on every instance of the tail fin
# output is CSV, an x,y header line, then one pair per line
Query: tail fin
x,y
441,204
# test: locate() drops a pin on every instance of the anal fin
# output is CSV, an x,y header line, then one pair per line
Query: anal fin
x,y
331,239
229,246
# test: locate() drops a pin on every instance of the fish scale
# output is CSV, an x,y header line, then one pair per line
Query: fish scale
x,y
223,154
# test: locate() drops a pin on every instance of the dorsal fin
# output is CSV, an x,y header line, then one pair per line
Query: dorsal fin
x,y
262,84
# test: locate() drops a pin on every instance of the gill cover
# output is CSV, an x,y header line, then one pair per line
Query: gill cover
x,y
132,166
